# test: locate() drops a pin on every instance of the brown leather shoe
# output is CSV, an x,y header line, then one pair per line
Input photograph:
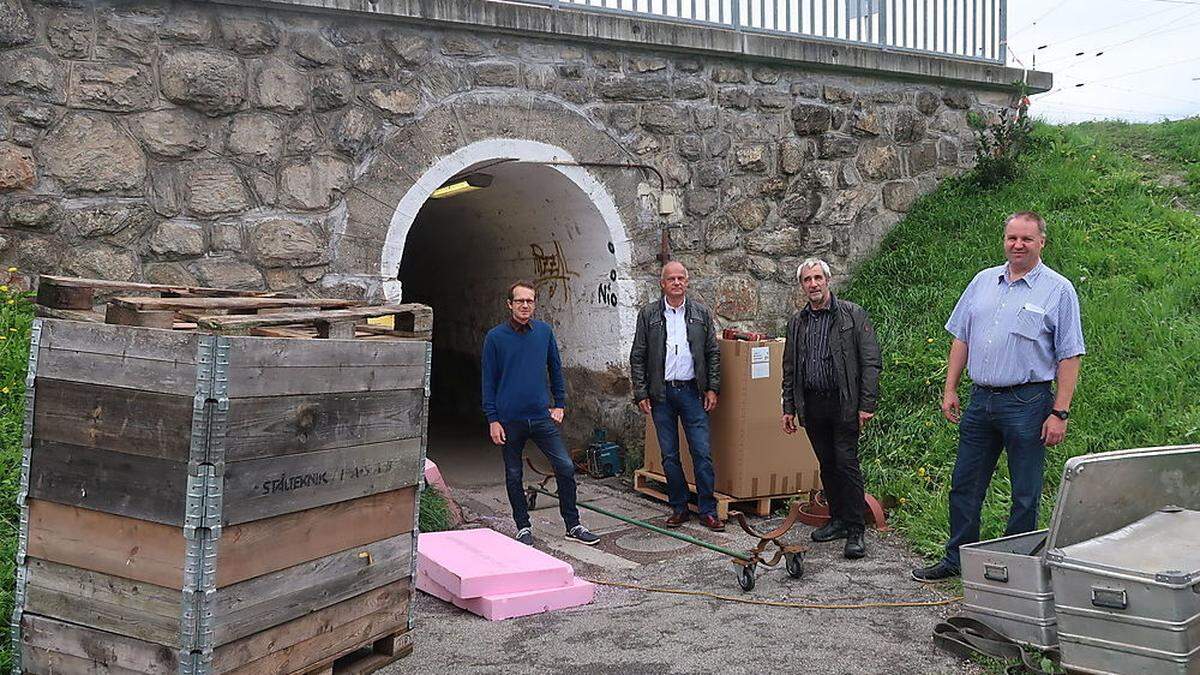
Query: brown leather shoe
x,y
678,518
713,523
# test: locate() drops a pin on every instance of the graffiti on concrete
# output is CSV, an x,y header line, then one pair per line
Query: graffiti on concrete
x,y
550,271
605,295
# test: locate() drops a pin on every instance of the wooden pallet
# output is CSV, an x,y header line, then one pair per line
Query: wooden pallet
x,y
230,311
653,485
368,657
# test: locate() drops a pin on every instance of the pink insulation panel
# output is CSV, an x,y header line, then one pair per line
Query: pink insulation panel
x,y
511,605
472,563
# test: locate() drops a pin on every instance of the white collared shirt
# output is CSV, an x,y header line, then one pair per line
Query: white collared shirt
x,y
679,364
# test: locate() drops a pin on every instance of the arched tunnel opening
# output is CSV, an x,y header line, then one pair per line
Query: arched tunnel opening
x,y
531,222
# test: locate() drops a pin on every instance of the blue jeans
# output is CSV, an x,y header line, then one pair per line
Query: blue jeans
x,y
683,402
998,420
544,433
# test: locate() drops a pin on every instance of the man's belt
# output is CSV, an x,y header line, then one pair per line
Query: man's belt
x,y
680,383
1011,387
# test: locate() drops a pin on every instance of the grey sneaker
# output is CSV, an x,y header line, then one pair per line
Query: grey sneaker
x,y
525,536
580,534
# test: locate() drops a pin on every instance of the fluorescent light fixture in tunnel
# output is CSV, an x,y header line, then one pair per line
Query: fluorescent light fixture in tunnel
x,y
461,185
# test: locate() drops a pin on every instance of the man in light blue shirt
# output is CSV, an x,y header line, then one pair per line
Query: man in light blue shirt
x,y
1016,328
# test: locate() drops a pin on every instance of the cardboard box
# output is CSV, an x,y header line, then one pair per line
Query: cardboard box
x,y
751,455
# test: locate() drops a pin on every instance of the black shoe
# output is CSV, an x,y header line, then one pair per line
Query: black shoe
x,y
939,572
525,536
580,534
856,545
834,529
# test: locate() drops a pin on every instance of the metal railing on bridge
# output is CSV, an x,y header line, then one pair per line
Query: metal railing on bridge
x,y
972,29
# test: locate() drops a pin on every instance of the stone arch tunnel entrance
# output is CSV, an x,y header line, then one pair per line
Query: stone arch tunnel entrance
x,y
541,220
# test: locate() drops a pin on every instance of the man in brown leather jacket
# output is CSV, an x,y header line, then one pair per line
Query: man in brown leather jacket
x,y
831,371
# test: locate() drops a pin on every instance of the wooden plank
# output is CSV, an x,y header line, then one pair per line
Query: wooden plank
x,y
263,352
271,599
245,654
267,426
127,420
65,297
120,356
111,285
132,316
241,323
286,379
102,601
259,547
103,542
147,488
261,488
252,304
107,652
335,330
36,661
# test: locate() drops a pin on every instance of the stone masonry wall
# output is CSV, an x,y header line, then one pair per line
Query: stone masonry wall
x,y
209,144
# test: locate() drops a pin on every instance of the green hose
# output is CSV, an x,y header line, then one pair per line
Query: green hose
x,y
653,528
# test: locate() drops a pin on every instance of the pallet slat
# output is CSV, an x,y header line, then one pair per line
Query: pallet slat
x,y
645,482
416,316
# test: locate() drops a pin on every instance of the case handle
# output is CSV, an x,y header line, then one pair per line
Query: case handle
x,y
1110,598
996,573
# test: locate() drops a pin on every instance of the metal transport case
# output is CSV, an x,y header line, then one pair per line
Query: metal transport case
x,y
1006,582
1129,601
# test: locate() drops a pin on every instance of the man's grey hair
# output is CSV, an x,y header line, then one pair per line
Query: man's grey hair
x,y
662,272
813,262
1031,216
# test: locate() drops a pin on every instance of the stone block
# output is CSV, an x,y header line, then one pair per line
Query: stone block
x,y
123,220
17,168
226,273
960,99
923,157
171,133
909,126
370,63
700,202
786,241
280,87
462,44
185,25
210,81
752,157
664,119
34,73
87,152
16,26
257,137
313,184
641,88
40,213
113,87
811,118
214,187
70,33
247,34
99,261
177,239
771,100
280,242
926,102
728,74
496,74
331,89
879,161
354,131
170,273
899,195
736,98
691,88
836,94
647,64
122,38
737,297
717,143
836,144
315,51
867,119
411,49
749,214
394,101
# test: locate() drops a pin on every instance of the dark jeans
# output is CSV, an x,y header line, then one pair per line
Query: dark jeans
x,y
683,402
835,443
1011,420
544,433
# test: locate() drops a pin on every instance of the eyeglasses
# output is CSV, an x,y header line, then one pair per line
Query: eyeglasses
x,y
522,301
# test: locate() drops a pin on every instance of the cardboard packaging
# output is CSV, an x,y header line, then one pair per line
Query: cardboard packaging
x,y
751,455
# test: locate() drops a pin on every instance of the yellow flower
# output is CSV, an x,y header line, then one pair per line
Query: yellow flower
x,y
921,471
903,501
12,302
12,330
3,337
929,340
3,288
12,269
4,390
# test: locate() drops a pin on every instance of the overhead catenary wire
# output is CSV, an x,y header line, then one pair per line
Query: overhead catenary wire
x,y
1161,29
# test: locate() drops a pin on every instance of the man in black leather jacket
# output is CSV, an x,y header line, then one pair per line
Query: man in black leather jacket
x,y
675,366
831,372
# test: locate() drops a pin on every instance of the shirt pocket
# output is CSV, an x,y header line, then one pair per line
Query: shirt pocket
x,y
1030,323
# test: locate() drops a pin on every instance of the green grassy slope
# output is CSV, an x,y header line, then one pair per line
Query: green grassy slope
x,y
1132,249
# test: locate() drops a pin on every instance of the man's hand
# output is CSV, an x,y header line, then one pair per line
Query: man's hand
x,y
951,409
863,418
1054,431
789,424
644,406
710,401
556,414
497,431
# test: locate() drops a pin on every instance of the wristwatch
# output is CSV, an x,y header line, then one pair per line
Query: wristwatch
x,y
1060,414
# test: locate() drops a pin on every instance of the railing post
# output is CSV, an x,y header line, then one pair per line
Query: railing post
x,y
883,21
735,13
1003,31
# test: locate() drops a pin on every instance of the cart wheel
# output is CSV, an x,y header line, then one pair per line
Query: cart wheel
x,y
795,565
531,499
746,578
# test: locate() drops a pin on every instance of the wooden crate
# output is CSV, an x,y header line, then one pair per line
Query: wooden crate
x,y
654,484
210,503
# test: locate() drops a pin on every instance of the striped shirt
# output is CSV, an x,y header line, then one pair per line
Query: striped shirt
x,y
1017,331
818,360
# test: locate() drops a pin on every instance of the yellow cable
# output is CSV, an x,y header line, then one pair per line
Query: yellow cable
x,y
779,603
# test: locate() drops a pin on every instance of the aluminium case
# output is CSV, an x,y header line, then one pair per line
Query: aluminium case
x,y
1006,582
1129,601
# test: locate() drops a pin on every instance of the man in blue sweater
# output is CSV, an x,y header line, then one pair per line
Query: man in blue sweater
x,y
516,356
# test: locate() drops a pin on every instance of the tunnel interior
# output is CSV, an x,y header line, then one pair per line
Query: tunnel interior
x,y
462,253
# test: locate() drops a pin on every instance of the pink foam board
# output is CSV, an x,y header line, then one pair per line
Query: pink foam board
x,y
511,605
471,563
